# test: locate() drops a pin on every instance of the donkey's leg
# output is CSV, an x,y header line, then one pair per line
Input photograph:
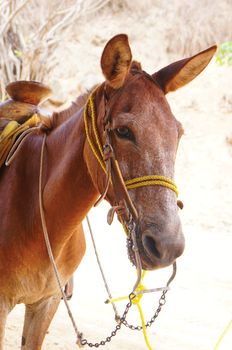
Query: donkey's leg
x,y
5,308
38,317
3,316
68,290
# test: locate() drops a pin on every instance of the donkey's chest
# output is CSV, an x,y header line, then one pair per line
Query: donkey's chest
x,y
28,285
27,274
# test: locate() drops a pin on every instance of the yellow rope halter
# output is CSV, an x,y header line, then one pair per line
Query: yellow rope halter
x,y
97,150
136,301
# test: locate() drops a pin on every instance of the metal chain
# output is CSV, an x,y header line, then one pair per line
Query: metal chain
x,y
114,332
122,321
162,301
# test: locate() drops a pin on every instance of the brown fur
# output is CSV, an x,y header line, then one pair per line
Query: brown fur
x,y
72,181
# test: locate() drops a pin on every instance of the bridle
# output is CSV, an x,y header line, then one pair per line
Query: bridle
x,y
105,156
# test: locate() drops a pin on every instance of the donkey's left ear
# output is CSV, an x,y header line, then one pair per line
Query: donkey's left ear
x,y
182,72
116,60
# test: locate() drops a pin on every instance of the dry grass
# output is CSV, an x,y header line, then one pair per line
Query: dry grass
x,y
35,33
188,26
193,25
32,30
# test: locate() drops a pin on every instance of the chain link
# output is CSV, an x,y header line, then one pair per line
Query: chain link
x,y
113,333
162,301
123,321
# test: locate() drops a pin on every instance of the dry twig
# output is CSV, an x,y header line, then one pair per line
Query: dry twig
x,y
31,31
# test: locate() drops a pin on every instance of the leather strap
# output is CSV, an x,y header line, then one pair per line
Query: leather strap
x,y
123,200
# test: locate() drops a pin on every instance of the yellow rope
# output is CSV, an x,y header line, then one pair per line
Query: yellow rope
x,y
151,177
142,183
223,335
92,146
94,124
136,301
124,228
144,327
113,300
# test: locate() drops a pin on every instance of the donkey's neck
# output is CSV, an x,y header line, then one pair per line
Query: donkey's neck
x,y
68,189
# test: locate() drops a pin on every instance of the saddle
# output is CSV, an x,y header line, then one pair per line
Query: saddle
x,y
21,114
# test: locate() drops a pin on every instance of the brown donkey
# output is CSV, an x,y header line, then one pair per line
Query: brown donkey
x,y
131,106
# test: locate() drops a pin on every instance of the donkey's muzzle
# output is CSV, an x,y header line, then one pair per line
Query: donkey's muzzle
x,y
161,250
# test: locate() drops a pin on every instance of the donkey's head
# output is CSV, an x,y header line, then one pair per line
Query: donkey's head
x,y
144,135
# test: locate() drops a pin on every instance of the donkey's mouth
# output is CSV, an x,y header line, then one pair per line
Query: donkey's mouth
x,y
146,262
149,261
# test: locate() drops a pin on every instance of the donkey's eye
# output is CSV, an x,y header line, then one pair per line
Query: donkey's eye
x,y
124,133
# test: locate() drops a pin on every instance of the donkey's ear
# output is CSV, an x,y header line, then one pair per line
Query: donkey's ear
x,y
116,59
182,72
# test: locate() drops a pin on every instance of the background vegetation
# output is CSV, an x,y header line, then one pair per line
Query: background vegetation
x,y
224,55
39,38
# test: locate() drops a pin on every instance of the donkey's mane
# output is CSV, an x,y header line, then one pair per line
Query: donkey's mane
x,y
60,117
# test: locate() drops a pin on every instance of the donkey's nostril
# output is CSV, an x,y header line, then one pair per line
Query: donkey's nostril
x,y
151,247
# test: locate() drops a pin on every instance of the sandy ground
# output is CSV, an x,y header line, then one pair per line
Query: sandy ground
x,y
199,305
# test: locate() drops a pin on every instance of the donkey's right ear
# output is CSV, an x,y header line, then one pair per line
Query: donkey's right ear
x,y
116,60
